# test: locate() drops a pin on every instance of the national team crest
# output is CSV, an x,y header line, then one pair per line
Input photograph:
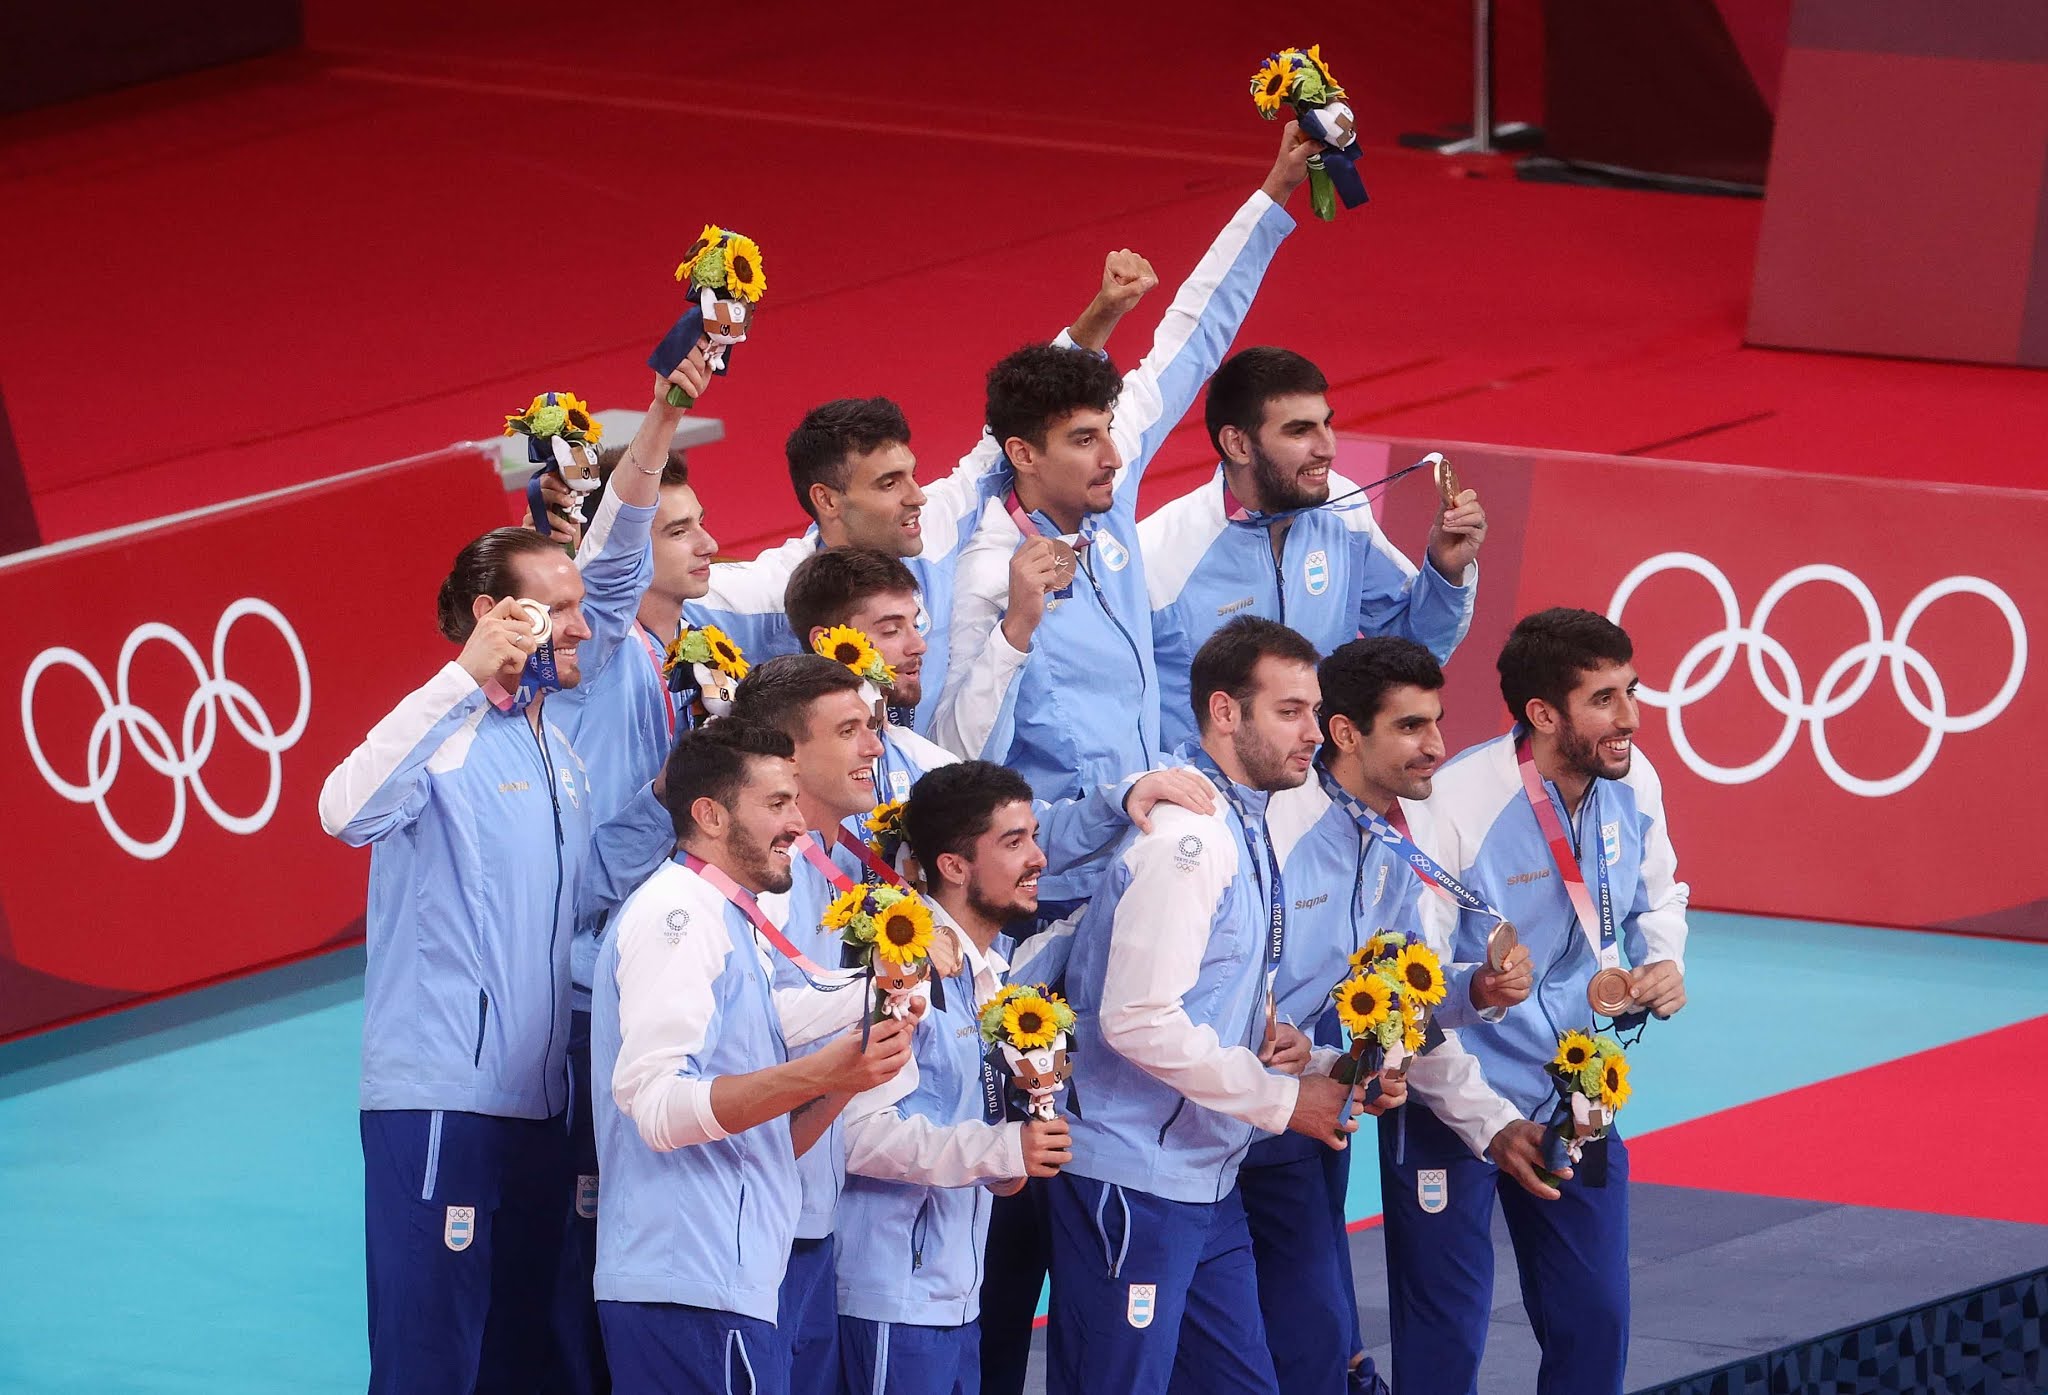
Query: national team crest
x,y
1141,1305
586,1196
1113,554
1432,1189
923,622
460,1228
1610,842
899,784
1315,570
568,778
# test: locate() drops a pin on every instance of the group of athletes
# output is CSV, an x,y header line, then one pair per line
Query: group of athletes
x,y
627,1122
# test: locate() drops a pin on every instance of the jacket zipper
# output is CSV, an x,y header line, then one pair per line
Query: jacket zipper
x,y
1279,574
1088,566
555,919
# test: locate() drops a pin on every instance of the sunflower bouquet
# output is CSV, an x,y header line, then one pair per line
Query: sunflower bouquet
x,y
884,828
704,662
723,272
1385,1003
886,930
1591,1077
561,437
1029,1029
843,644
1300,79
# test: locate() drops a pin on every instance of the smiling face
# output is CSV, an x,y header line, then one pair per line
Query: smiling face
x,y
1595,734
683,547
835,757
881,505
1399,754
760,825
552,579
1000,875
1288,458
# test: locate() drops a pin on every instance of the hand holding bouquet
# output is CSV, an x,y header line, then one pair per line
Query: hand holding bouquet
x,y
1591,1077
1300,80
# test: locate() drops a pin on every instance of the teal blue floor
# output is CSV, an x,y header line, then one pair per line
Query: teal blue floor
x,y
184,1182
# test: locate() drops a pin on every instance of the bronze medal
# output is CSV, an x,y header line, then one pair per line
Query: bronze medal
x,y
537,616
1500,941
1609,993
1064,562
1447,486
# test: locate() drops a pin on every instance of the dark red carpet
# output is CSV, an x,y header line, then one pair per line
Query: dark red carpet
x,y
285,269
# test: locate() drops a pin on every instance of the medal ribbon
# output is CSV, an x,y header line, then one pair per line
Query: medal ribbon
x,y
1597,925
1426,868
750,908
1256,836
654,653
1032,530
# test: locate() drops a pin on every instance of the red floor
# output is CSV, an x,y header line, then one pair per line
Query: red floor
x,y
289,268
1935,1132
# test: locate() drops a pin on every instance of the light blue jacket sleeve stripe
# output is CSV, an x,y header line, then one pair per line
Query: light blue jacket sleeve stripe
x,y
382,785
1075,831
626,850
617,562
1196,332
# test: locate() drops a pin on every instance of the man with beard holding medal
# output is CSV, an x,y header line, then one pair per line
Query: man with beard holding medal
x,y
1560,824
1171,981
705,1114
1344,841
1263,536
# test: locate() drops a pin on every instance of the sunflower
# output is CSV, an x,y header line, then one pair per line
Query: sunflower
x,y
845,908
1270,84
843,644
1363,1002
1419,974
1384,943
903,932
1315,56
743,274
706,240
886,818
1614,1086
725,655
1412,1034
1574,1049
1029,1022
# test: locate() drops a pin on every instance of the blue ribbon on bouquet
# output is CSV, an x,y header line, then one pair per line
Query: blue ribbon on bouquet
x,y
1340,162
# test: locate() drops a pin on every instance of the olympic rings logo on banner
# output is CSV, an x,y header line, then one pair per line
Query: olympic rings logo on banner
x,y
121,721
1837,691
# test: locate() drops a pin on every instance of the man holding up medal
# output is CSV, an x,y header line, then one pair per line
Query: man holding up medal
x,y
1560,824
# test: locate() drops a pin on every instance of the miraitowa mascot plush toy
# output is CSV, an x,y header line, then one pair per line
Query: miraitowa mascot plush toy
x,y
723,271
561,438
705,666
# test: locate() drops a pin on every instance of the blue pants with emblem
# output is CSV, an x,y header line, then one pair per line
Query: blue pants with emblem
x,y
1293,1189
808,1318
901,1358
579,1342
1153,1295
463,1220
1572,1254
668,1349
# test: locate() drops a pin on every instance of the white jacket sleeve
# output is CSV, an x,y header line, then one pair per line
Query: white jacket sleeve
x,y
881,1142
953,501
667,1015
1195,332
811,1014
382,785
1439,918
1157,940
976,710
1655,927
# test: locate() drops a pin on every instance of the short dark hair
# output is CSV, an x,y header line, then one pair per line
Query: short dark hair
x,y
710,762
1039,385
1248,380
1226,659
1546,652
779,692
1359,674
832,433
484,568
676,471
830,584
952,805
